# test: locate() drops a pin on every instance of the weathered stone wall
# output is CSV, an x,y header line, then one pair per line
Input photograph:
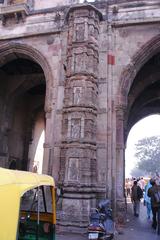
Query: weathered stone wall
x,y
130,26
45,49
42,4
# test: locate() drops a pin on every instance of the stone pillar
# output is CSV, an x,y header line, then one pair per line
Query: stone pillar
x,y
120,155
111,120
48,145
4,131
115,144
78,151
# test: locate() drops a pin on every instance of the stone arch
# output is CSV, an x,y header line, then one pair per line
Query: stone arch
x,y
142,56
32,54
147,51
11,51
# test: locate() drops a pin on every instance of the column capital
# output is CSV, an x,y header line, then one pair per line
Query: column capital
x,y
120,110
88,7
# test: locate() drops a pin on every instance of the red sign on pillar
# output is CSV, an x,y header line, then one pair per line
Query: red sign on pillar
x,y
111,59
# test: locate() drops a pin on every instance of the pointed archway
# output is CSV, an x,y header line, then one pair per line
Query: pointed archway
x,y
25,77
137,97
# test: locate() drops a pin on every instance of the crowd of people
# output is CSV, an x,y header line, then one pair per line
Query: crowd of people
x,y
148,190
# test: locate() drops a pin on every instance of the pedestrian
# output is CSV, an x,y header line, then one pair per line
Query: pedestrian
x,y
128,187
155,205
147,200
136,195
141,183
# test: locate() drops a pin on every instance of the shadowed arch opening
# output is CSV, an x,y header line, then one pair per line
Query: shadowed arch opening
x,y
147,51
25,76
144,94
137,97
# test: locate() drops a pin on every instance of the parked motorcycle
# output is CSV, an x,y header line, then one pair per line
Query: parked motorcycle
x,y
101,226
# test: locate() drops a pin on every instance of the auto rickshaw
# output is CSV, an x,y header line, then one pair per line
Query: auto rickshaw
x,y
27,206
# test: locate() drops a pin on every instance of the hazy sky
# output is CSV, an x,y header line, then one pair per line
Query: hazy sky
x,y
147,127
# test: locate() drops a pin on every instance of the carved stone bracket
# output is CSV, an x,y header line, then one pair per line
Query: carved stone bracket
x,y
83,10
120,111
15,11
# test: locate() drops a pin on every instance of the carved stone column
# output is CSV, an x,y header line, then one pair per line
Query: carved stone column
x,y
78,152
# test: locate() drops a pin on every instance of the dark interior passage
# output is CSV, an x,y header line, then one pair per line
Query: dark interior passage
x,y
144,94
22,97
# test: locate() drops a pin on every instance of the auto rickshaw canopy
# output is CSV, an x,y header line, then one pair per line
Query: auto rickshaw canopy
x,y
13,184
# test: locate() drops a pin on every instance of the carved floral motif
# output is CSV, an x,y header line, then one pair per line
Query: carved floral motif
x,y
73,169
75,128
80,29
79,62
77,93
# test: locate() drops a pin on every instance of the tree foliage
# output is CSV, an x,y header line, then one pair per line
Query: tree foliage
x,y
148,154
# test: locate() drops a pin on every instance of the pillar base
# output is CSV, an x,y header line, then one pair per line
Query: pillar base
x,y
65,226
73,211
121,211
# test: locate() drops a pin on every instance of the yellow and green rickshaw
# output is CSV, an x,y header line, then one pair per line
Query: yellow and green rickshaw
x,y
27,206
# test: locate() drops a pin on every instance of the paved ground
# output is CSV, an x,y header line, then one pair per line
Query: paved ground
x,y
135,229
71,237
138,228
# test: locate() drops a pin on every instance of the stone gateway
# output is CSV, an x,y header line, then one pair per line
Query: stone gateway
x,y
82,74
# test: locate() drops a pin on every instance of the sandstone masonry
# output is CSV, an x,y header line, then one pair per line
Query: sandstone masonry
x,y
85,73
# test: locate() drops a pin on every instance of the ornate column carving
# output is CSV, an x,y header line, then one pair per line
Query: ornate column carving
x,y
78,152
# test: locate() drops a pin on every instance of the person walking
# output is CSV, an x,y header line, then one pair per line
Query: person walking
x,y
136,195
141,183
128,188
155,204
147,200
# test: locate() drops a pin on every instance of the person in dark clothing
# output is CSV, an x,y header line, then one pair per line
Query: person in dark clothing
x,y
154,205
136,195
